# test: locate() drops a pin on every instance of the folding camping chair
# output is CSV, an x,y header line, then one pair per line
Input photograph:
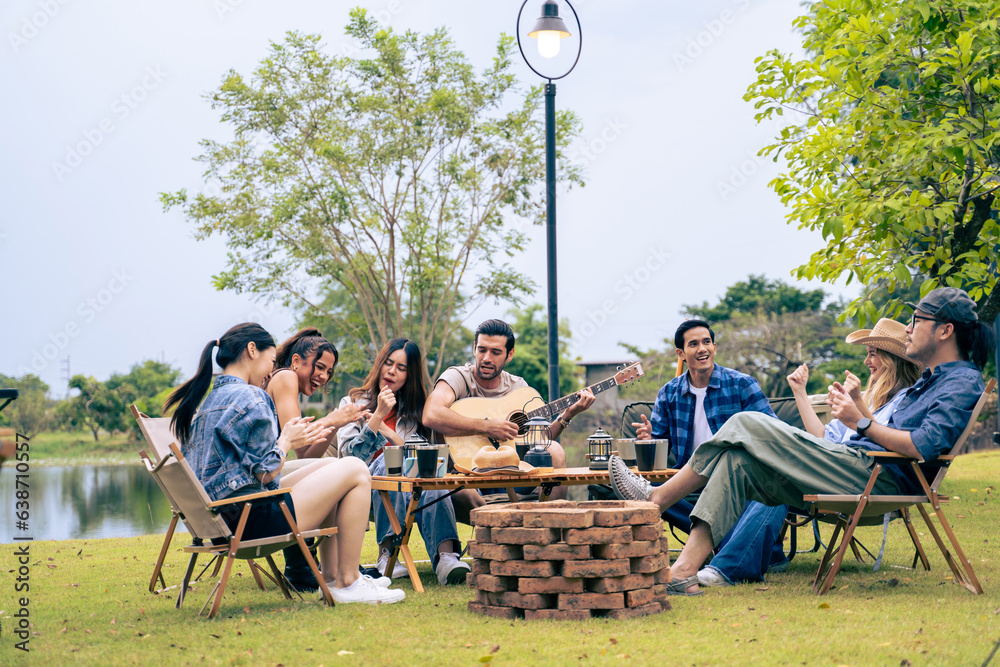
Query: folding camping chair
x,y
210,533
849,511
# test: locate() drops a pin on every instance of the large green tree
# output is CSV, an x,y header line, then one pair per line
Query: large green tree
x,y
104,406
765,328
29,414
396,177
893,151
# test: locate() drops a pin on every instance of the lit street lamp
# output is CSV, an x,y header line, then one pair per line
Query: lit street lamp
x,y
550,30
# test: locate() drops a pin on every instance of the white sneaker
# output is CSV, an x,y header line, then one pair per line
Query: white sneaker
x,y
450,570
709,576
365,590
399,570
383,582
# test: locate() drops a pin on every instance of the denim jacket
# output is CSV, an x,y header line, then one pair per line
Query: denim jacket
x,y
233,439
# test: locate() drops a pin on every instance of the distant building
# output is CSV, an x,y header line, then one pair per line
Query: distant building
x,y
598,371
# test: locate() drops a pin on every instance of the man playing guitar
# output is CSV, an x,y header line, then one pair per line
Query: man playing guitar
x,y
486,378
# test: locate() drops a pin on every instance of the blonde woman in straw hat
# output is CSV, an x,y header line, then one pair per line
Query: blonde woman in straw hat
x,y
891,372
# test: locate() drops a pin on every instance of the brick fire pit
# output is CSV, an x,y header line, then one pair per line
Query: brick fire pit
x,y
566,560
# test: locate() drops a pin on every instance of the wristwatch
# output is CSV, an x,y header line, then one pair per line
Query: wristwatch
x,y
863,425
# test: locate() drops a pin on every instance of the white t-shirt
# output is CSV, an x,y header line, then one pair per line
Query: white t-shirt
x,y
702,431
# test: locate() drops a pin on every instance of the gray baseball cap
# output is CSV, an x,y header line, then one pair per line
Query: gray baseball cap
x,y
948,304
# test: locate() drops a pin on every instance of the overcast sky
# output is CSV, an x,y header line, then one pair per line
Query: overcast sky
x,y
105,110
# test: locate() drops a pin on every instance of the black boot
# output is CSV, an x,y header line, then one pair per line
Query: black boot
x,y
297,570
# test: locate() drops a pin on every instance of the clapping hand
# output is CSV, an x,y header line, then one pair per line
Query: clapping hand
x,y
843,406
351,412
852,385
302,432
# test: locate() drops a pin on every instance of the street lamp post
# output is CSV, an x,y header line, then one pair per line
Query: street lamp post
x,y
549,29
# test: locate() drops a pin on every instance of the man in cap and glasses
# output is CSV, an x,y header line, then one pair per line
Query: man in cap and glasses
x,y
754,457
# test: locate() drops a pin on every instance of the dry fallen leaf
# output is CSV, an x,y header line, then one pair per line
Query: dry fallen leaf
x,y
495,648
613,640
343,652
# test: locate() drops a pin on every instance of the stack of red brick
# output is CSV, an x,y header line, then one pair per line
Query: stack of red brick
x,y
567,560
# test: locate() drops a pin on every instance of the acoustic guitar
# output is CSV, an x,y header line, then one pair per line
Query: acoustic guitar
x,y
519,406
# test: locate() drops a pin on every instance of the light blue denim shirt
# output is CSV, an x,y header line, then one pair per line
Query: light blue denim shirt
x,y
935,410
233,439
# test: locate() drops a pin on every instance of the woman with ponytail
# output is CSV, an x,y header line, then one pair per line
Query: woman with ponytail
x,y
232,442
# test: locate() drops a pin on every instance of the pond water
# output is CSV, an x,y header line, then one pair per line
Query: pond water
x,y
85,502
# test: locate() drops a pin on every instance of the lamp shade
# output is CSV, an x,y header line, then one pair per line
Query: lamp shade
x,y
549,29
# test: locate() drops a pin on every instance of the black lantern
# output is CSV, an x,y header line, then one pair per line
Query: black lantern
x,y
411,443
537,439
599,448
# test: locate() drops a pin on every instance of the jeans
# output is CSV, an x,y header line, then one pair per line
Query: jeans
x,y
436,523
752,546
749,549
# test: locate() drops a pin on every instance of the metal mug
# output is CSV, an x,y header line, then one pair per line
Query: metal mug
x,y
393,460
626,450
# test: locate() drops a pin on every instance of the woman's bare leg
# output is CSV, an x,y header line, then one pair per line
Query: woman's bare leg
x,y
335,493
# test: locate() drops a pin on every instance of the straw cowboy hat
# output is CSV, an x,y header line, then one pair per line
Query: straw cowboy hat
x,y
497,460
888,335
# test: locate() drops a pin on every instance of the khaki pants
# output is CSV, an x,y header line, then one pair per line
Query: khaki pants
x,y
757,457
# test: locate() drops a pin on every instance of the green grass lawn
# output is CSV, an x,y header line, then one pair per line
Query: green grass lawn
x,y
89,605
79,448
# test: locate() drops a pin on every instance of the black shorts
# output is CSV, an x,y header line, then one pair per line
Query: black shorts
x,y
266,518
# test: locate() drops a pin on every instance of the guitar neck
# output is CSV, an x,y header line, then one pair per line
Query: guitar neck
x,y
550,410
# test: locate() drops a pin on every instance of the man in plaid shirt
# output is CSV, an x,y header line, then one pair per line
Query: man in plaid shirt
x,y
689,410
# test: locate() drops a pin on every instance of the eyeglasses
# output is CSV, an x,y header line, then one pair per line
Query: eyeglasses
x,y
915,317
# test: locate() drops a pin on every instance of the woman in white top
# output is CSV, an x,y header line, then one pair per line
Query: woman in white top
x,y
891,372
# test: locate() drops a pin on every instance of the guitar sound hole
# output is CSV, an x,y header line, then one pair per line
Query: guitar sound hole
x,y
519,418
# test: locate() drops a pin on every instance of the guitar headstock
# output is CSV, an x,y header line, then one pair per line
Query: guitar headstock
x,y
630,373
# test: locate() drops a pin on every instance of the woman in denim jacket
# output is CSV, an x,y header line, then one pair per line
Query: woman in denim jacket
x,y
394,396
234,448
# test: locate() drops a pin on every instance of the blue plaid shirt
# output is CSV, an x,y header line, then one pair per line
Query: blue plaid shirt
x,y
729,392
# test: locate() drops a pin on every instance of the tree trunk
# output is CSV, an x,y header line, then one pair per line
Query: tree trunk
x,y
989,307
